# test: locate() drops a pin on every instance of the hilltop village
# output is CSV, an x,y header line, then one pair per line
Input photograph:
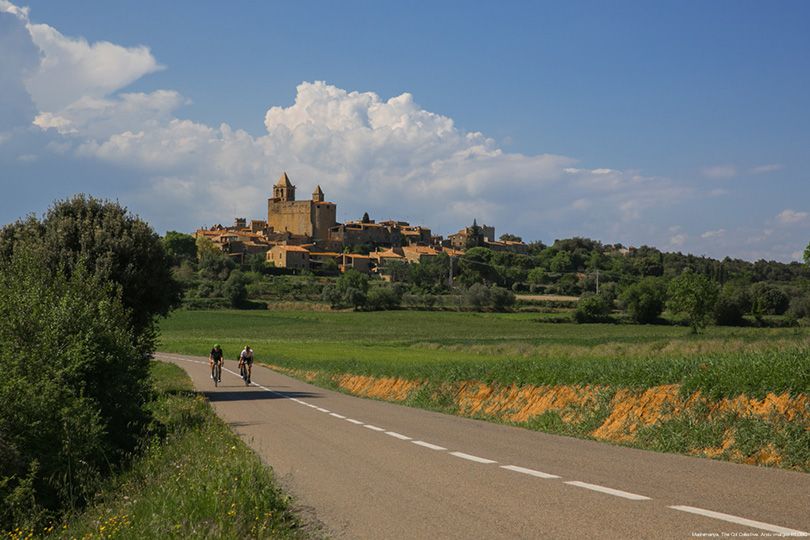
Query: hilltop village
x,y
305,234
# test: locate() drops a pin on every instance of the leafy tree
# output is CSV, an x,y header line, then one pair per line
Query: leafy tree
x,y
180,246
112,244
592,308
807,255
768,300
537,276
74,385
216,265
205,247
476,267
644,301
693,295
350,290
256,262
235,288
732,304
384,297
506,237
561,262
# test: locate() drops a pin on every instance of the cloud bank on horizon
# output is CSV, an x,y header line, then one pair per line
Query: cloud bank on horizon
x,y
389,157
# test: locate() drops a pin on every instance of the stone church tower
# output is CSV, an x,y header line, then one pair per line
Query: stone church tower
x,y
304,218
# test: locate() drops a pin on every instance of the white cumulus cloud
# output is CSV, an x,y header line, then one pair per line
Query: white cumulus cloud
x,y
718,233
791,217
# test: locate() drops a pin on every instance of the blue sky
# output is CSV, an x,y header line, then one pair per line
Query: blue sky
x,y
684,125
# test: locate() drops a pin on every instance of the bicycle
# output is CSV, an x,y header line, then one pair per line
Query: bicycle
x,y
243,371
216,374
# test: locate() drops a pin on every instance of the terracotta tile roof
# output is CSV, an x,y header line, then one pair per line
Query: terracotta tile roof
x,y
291,248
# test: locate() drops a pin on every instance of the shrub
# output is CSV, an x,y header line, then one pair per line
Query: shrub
x,y
235,288
800,307
592,308
73,368
768,299
502,299
383,298
644,301
350,290
732,303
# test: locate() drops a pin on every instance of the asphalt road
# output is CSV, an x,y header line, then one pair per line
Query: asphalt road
x,y
369,469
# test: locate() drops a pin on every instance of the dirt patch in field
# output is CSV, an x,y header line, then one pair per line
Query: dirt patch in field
x,y
522,403
631,410
388,388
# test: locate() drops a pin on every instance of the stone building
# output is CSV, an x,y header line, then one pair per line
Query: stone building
x,y
292,257
312,218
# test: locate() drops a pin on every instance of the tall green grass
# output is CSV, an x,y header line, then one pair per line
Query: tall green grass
x,y
195,479
505,348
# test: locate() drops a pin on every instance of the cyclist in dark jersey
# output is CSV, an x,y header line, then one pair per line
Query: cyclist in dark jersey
x,y
216,357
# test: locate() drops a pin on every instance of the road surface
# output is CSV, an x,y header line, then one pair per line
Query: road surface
x,y
369,469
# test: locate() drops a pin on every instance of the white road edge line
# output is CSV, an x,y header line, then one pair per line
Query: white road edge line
x,y
429,445
469,457
373,428
336,415
399,436
353,421
609,491
322,409
741,521
530,472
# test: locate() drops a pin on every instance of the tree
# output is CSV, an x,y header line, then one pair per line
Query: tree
x,y
205,247
506,237
561,262
256,262
350,290
693,295
476,267
74,386
732,304
180,247
235,288
111,244
767,299
807,255
644,301
592,308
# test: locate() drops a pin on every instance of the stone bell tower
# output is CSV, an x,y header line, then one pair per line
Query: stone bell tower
x,y
284,190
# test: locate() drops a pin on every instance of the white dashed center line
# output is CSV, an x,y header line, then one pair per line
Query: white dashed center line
x,y
741,521
610,491
322,409
373,428
469,457
353,421
399,436
429,445
336,415
530,472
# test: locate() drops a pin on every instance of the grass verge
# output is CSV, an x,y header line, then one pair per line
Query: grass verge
x,y
194,479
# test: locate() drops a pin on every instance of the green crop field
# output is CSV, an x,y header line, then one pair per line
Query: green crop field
x,y
504,348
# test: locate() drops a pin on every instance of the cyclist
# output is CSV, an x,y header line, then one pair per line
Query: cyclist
x,y
246,359
216,358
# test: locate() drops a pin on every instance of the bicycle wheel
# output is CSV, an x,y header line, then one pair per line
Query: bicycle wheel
x,y
216,374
